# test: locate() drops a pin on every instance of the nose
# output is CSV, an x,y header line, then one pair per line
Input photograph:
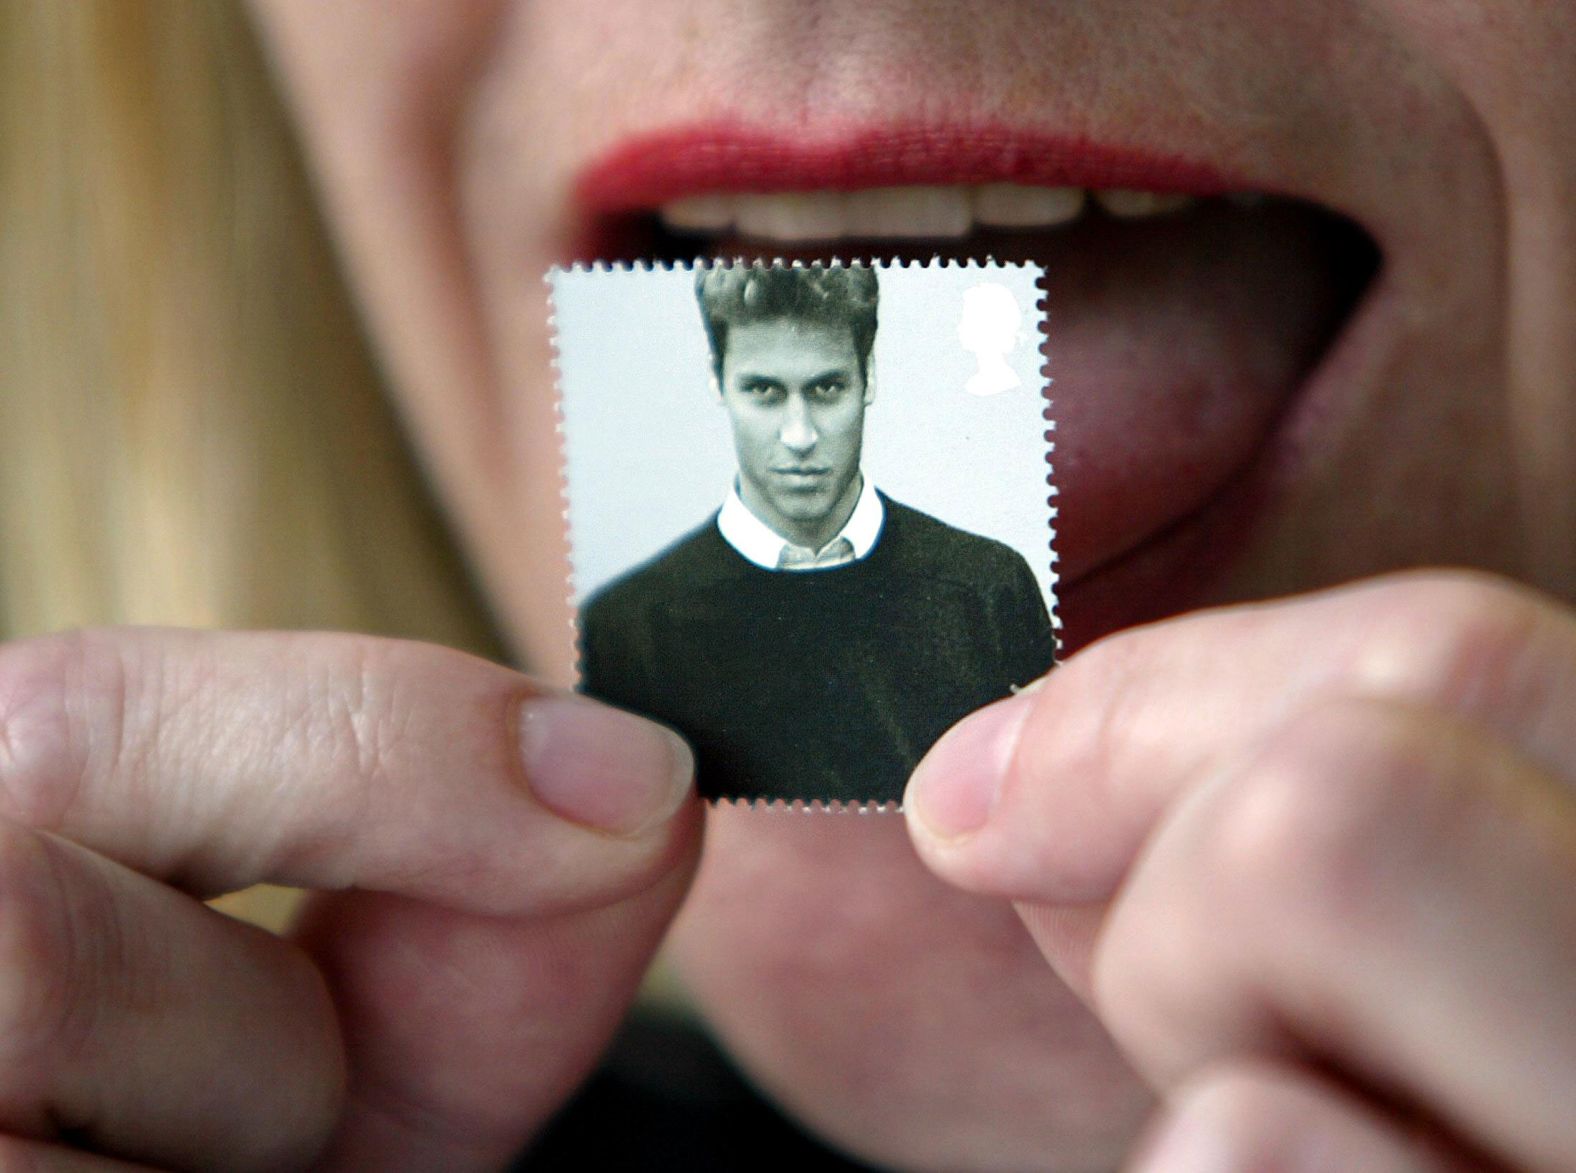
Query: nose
x,y
797,432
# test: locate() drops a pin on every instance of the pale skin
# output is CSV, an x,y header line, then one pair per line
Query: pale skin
x,y
1287,880
796,398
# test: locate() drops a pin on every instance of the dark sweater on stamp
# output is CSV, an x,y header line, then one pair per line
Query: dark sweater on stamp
x,y
824,684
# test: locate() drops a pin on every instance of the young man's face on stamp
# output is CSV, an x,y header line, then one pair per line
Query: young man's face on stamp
x,y
795,391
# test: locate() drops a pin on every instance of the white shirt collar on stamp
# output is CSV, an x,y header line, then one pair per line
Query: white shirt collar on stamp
x,y
762,545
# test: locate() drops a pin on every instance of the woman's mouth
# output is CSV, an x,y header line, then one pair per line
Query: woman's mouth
x,y
1186,315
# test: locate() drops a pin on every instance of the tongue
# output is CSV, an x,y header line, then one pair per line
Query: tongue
x,y
1173,344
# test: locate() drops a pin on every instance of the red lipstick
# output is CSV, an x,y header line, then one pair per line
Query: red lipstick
x,y
642,173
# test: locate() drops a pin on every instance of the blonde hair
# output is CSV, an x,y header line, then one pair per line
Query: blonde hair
x,y
191,429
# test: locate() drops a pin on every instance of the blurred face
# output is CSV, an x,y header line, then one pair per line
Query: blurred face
x,y
796,402
1366,363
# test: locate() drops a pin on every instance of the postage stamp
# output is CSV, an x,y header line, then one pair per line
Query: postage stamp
x,y
810,509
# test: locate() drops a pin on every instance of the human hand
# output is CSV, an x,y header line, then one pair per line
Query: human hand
x,y
476,941
1312,863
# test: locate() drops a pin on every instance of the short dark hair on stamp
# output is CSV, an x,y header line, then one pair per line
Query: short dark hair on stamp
x,y
836,294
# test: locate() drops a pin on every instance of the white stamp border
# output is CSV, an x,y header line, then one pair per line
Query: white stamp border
x,y
1044,566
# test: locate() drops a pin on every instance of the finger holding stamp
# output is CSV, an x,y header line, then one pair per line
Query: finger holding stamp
x,y
500,862
332,762
1050,795
1353,851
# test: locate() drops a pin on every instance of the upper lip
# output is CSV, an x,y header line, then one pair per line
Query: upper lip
x,y
646,171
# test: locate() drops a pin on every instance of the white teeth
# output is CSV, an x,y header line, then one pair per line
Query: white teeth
x,y
1130,205
1007,205
702,213
800,215
907,212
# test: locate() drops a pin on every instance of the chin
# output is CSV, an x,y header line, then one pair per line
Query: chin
x,y
909,1023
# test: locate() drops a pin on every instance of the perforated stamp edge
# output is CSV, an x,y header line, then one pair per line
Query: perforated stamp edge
x,y
809,805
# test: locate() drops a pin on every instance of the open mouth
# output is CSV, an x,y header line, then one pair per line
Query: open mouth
x,y
1187,316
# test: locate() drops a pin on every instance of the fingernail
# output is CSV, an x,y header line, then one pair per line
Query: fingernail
x,y
954,789
602,767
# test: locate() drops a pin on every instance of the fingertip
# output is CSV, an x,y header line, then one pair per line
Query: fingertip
x,y
954,790
1001,806
601,767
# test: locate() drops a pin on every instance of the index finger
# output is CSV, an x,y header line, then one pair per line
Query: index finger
x,y
218,760
1049,795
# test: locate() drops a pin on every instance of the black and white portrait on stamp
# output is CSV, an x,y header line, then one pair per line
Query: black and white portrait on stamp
x,y
809,510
